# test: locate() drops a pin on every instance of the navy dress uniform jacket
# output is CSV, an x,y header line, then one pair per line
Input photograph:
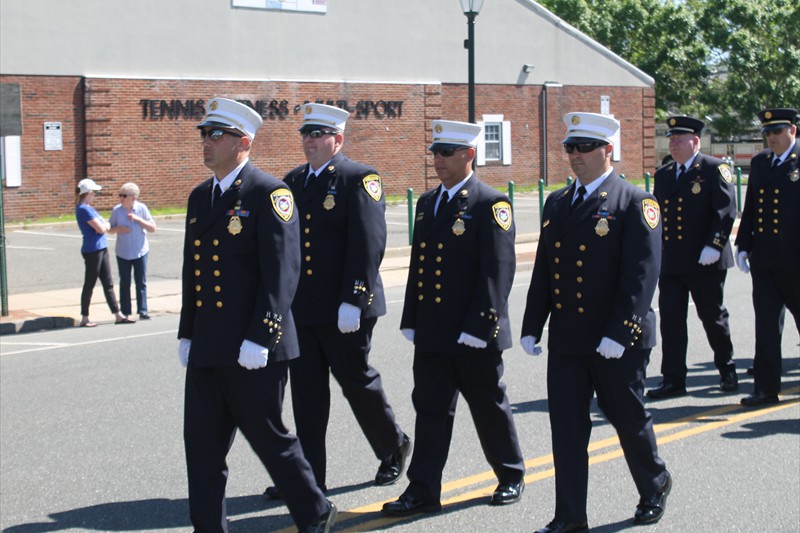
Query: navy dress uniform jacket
x,y
596,270
343,204
461,270
770,226
241,262
698,210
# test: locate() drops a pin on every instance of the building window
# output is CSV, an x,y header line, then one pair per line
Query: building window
x,y
492,136
495,144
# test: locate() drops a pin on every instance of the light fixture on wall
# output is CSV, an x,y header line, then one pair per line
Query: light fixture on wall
x,y
527,69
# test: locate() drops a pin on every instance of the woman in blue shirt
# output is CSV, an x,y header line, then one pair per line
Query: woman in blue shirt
x,y
131,222
95,253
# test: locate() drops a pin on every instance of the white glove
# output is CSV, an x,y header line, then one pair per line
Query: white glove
x,y
408,334
742,262
183,351
252,355
472,342
528,343
349,318
709,256
610,349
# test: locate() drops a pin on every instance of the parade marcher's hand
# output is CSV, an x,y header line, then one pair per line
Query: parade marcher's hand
x,y
472,342
183,351
528,343
252,356
408,334
610,349
709,256
349,318
742,261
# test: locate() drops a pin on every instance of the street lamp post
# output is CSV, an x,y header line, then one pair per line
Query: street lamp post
x,y
471,8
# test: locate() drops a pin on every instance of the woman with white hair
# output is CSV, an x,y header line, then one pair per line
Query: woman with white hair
x,y
131,221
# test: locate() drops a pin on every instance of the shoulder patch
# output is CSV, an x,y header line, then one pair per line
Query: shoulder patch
x,y
502,215
282,203
651,212
725,172
372,184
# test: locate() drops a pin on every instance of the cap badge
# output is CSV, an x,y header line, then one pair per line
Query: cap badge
x,y
438,128
576,120
214,105
672,122
768,115
308,110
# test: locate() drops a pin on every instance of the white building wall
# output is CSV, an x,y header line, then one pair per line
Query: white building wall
x,y
356,40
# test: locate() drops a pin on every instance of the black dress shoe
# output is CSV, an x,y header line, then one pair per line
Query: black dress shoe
x,y
750,371
507,493
558,526
666,390
650,510
144,316
729,382
759,398
272,492
393,467
407,505
324,523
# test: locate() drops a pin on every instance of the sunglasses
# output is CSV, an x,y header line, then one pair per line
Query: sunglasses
x,y
583,148
217,133
316,134
777,131
446,152
122,195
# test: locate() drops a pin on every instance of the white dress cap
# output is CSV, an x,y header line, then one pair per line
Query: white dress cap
x,y
451,132
324,115
590,126
87,185
226,113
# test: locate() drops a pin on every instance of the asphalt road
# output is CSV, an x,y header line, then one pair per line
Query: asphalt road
x,y
91,440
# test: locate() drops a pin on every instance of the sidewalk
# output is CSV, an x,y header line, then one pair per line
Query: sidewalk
x,y
61,308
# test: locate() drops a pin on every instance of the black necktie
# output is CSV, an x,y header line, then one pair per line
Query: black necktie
x,y
442,202
310,176
681,170
579,199
217,194
776,162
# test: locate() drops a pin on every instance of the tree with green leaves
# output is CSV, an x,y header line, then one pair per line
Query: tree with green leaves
x,y
724,59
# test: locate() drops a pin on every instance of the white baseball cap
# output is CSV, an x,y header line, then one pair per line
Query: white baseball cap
x,y
87,185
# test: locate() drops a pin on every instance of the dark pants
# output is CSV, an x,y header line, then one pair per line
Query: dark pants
x,y
619,384
438,380
139,267
773,293
324,350
97,266
706,290
218,400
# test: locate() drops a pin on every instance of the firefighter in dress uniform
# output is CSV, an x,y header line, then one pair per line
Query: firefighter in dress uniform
x,y
240,269
339,298
456,314
698,209
595,274
768,246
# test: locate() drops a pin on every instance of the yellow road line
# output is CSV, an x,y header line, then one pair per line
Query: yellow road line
x,y
544,460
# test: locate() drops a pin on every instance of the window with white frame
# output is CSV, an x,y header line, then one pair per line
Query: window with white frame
x,y
495,143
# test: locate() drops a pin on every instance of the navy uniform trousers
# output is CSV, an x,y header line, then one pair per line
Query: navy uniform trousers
x,y
619,385
438,380
324,347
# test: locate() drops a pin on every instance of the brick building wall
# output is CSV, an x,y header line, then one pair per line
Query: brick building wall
x,y
120,130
